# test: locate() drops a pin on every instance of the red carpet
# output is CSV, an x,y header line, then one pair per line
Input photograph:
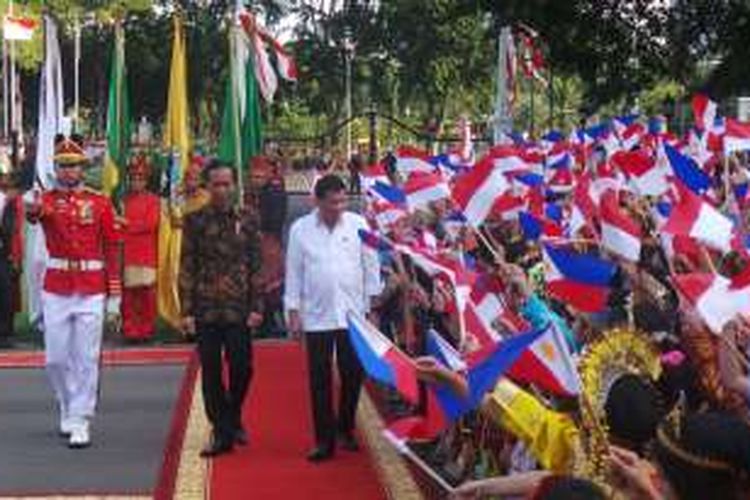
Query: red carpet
x,y
278,418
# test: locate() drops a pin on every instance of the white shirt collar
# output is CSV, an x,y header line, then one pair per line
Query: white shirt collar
x,y
319,223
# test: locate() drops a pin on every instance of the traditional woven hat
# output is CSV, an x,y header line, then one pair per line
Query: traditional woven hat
x,y
69,151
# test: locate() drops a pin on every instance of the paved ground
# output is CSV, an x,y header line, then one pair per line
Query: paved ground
x,y
129,434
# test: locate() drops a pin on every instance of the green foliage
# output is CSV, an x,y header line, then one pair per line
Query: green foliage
x,y
653,100
420,61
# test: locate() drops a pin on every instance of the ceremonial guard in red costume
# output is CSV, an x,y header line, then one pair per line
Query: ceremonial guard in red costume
x,y
140,241
11,250
81,282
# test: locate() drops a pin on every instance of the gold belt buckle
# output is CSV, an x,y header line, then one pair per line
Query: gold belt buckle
x,y
74,265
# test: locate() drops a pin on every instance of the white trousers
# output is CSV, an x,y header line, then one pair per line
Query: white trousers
x,y
72,338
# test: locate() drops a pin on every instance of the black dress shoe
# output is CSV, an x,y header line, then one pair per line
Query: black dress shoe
x,y
216,448
347,442
240,437
320,454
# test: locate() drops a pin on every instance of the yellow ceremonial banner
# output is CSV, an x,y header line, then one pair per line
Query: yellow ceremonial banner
x,y
177,141
176,128
110,176
550,436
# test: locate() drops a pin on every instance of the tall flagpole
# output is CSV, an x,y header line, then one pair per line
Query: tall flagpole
x,y
502,119
348,59
77,75
13,88
235,78
6,90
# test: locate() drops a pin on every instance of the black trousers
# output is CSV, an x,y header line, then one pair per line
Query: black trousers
x,y
224,405
319,355
6,298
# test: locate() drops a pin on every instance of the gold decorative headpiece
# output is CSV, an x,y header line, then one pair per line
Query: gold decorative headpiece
x,y
616,353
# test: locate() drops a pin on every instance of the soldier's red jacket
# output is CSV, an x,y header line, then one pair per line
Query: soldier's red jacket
x,y
82,241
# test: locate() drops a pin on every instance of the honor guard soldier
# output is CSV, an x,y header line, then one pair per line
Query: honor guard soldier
x,y
81,280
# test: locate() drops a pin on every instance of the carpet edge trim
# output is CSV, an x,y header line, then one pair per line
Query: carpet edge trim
x,y
193,471
391,467
164,488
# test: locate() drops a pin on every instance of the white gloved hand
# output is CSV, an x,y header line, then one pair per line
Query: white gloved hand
x,y
113,305
112,313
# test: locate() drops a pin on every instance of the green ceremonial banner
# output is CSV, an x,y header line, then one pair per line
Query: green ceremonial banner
x,y
118,121
250,134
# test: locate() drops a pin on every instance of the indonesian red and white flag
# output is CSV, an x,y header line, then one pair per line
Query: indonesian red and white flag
x,y
646,175
264,73
713,298
487,298
621,235
285,63
477,191
18,28
736,136
511,160
257,36
704,112
695,218
410,159
632,135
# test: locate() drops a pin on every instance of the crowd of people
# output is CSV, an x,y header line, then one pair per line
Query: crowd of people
x,y
608,241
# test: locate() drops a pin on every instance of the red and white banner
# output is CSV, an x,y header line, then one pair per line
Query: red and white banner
x,y
18,28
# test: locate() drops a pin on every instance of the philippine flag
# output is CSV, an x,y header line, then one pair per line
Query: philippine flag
x,y
421,189
374,241
687,171
381,359
549,365
483,374
535,227
620,234
374,173
438,347
386,192
695,218
476,191
583,281
443,405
